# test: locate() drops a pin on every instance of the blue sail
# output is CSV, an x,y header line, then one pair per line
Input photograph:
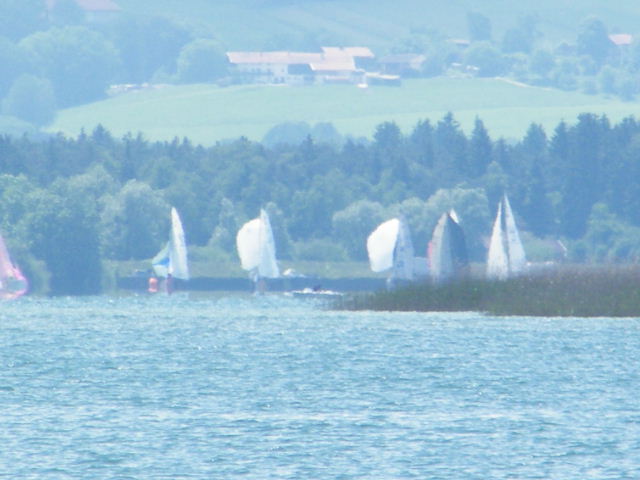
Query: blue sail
x,y
160,262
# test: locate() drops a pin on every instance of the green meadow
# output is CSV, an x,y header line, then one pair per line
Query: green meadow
x,y
208,113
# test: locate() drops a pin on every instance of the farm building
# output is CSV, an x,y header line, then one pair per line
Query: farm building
x,y
333,64
95,10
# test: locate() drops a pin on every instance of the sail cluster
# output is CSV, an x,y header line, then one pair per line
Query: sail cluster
x,y
389,248
506,256
256,247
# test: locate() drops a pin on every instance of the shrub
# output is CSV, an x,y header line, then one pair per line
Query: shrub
x,y
32,99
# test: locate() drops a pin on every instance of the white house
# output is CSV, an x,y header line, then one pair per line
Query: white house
x,y
333,64
95,10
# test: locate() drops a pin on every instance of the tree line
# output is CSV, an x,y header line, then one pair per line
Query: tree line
x,y
73,203
53,57
590,62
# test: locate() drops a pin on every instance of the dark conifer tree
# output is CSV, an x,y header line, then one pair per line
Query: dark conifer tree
x,y
579,191
479,150
558,157
624,194
354,158
531,151
450,151
536,206
421,143
502,154
388,152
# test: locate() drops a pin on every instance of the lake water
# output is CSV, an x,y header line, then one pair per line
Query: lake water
x,y
274,388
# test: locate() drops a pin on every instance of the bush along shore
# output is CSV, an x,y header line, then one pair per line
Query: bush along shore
x,y
581,291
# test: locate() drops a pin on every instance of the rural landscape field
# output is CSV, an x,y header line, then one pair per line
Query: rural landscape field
x,y
207,113
331,116
320,239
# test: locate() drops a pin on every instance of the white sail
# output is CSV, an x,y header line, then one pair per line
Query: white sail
x,y
247,244
268,265
447,250
403,258
381,244
440,259
390,247
497,260
172,259
506,255
517,257
178,266
256,247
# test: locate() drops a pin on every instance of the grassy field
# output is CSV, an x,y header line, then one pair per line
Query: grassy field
x,y
249,24
581,291
207,113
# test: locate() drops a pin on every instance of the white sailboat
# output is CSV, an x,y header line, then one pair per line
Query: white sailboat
x,y
506,256
13,283
257,250
447,252
171,261
390,247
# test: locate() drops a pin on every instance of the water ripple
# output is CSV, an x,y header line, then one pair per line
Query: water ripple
x,y
274,388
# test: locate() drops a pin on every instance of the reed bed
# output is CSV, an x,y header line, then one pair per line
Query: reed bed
x,y
581,291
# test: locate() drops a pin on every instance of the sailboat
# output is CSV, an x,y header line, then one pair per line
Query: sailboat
x,y
506,256
257,250
447,252
13,283
390,247
171,261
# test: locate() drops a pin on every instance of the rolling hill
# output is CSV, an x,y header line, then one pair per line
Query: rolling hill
x,y
255,24
207,113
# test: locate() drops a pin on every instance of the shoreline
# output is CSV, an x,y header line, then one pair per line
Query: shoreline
x,y
580,291
243,284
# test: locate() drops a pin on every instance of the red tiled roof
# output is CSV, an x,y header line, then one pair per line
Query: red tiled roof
x,y
91,5
334,64
288,58
361,52
331,58
621,39
319,62
98,5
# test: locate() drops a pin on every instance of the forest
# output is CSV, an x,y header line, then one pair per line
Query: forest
x,y
69,206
